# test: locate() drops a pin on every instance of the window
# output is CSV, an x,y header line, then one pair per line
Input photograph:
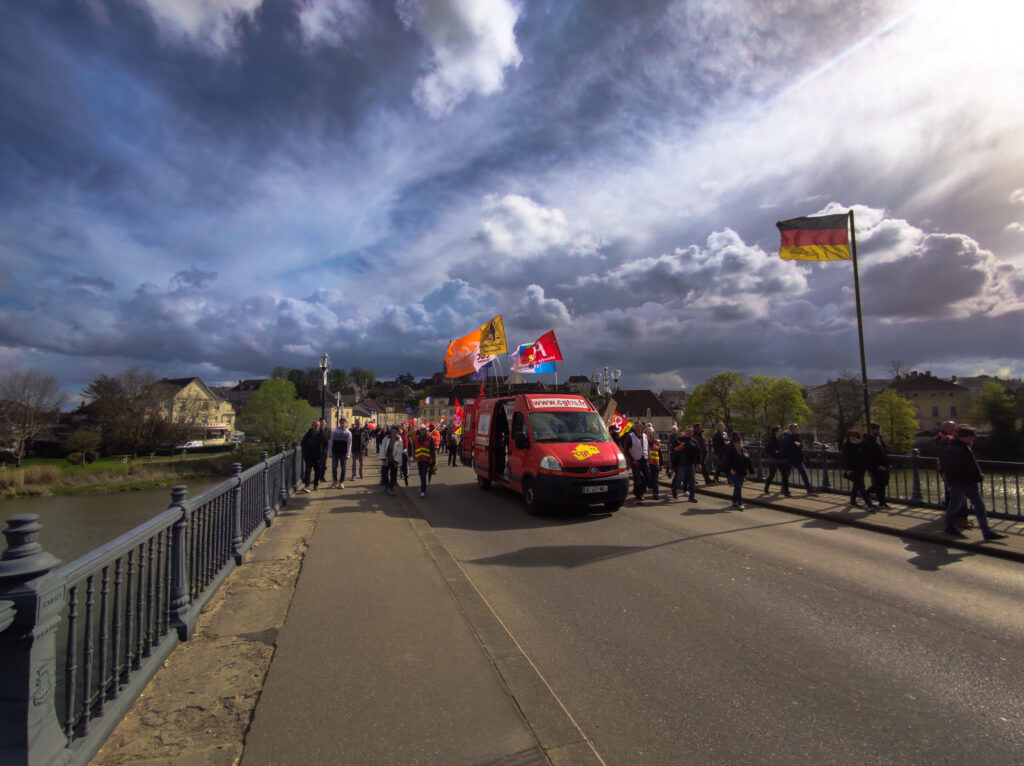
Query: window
x,y
935,412
952,412
915,395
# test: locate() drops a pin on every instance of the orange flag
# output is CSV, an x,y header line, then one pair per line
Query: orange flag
x,y
461,355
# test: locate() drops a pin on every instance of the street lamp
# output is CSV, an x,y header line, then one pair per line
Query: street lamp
x,y
323,392
607,383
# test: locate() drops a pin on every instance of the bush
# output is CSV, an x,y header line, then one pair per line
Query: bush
x,y
41,474
75,458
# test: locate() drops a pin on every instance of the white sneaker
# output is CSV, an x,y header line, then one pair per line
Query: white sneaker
x,y
423,494
305,489
341,485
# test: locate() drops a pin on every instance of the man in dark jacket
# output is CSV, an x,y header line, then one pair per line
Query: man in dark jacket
x,y
312,446
876,460
702,447
792,447
964,475
360,439
719,441
684,456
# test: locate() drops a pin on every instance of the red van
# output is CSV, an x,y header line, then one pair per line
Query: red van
x,y
554,449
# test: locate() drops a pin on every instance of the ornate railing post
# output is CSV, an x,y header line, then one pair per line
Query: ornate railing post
x,y
180,601
826,484
915,459
236,513
283,499
268,506
30,733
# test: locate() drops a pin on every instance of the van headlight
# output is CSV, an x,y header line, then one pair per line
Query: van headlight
x,y
622,462
550,463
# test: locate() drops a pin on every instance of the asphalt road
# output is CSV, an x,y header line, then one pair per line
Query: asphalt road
x,y
692,633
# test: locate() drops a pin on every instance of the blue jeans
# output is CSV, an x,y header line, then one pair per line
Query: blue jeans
x,y
787,468
685,475
337,460
736,479
958,495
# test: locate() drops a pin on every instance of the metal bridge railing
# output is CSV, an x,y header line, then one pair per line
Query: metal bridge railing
x,y
79,643
914,480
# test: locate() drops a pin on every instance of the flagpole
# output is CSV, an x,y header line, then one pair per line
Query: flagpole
x,y
860,322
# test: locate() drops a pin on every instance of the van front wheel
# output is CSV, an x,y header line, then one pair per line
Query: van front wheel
x,y
532,499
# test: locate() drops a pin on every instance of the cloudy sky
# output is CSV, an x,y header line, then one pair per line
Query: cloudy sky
x,y
219,187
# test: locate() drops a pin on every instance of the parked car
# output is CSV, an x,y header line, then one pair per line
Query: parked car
x,y
194,444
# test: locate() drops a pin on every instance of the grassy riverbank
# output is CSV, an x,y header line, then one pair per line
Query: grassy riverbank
x,y
116,474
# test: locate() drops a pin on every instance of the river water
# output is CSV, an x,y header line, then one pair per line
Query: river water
x,y
73,525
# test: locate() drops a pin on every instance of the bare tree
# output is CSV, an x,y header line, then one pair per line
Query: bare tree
x,y
30,403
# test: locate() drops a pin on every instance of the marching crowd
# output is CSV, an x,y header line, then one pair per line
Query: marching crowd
x,y
683,454
397,447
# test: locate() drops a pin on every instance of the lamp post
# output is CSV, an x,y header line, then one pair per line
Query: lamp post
x,y
607,383
323,392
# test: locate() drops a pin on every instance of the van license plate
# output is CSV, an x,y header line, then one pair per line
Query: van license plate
x,y
595,488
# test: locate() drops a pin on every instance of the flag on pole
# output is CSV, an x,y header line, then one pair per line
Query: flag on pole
x,y
492,337
545,349
457,417
621,422
522,360
459,359
815,238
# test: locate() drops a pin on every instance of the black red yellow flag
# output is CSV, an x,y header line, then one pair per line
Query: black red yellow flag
x,y
816,238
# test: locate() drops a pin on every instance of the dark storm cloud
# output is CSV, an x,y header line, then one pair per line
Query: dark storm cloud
x,y
98,282
193,278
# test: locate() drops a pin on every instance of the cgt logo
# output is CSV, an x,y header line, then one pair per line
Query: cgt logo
x,y
583,451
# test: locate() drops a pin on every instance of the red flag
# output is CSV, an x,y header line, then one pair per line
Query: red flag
x,y
457,417
545,349
481,394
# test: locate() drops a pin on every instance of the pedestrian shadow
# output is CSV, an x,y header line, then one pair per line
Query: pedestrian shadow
x,y
823,524
931,556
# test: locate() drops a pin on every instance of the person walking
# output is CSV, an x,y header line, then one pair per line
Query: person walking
x,y
339,450
853,468
702,445
964,477
638,454
773,454
946,434
876,458
685,454
791,444
736,463
391,454
360,440
312,444
424,453
453,448
653,461
667,449
719,442
325,445
406,454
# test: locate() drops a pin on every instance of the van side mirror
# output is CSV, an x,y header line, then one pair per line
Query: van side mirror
x,y
521,441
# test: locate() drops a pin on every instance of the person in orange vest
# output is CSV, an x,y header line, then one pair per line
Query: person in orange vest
x,y
653,460
424,453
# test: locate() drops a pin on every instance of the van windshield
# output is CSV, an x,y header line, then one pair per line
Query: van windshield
x,y
568,427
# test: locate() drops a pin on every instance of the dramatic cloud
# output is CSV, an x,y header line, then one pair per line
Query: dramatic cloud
x,y
471,42
225,186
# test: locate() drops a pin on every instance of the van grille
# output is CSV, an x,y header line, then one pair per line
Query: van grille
x,y
586,469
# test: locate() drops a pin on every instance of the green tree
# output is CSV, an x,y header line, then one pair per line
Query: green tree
x,y
276,414
896,417
365,379
713,400
998,407
279,372
84,440
406,380
762,401
30,403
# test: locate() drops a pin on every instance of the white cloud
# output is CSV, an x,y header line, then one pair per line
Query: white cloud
x,y
519,227
472,43
535,311
331,21
207,23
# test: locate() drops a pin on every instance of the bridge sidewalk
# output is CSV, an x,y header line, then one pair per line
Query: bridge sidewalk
x,y
918,523
388,655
